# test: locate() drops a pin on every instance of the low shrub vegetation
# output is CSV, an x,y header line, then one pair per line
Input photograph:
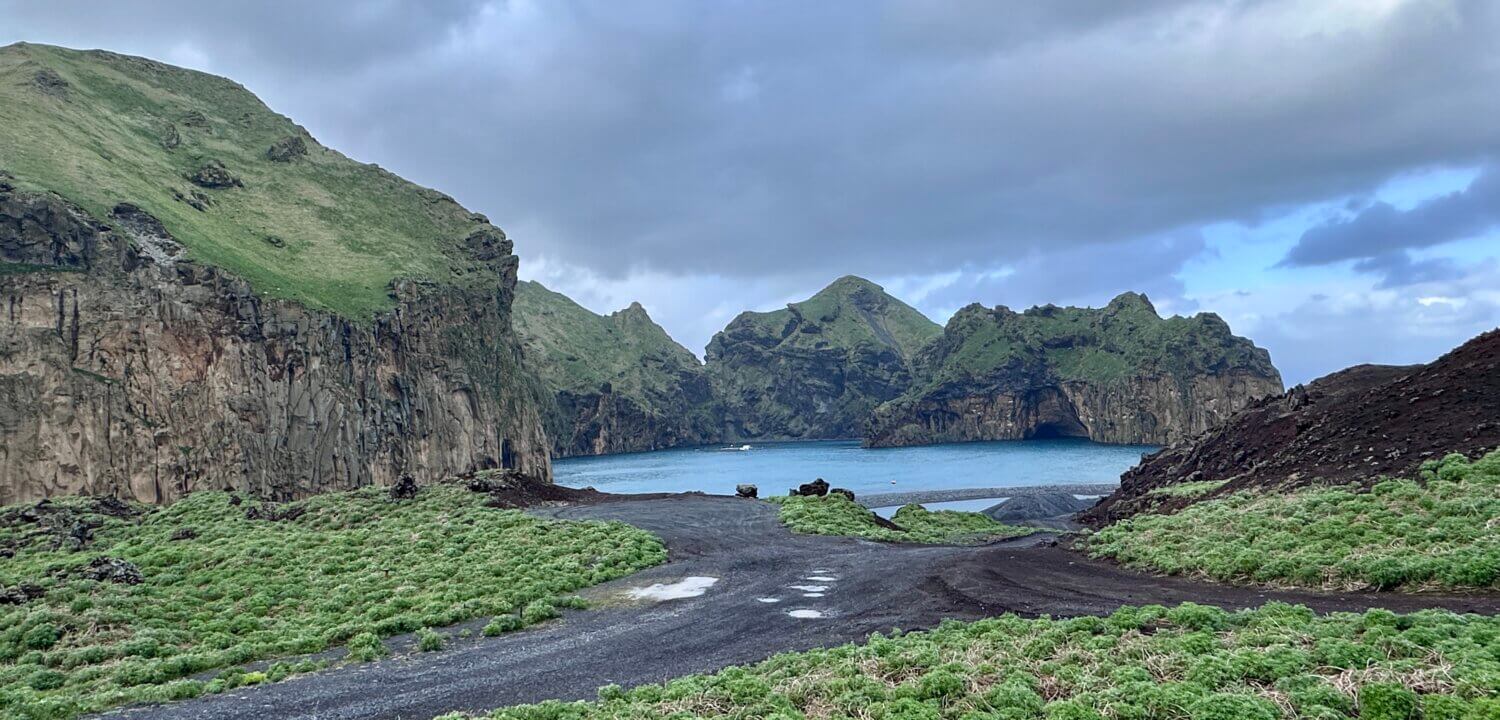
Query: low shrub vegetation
x,y
217,589
1440,532
1191,662
838,515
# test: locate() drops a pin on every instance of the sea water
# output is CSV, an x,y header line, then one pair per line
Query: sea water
x,y
776,467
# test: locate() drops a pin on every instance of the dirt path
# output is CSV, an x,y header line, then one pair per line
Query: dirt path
x,y
865,587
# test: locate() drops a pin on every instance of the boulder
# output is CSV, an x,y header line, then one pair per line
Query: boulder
x,y
48,82
115,570
816,488
843,491
20,594
274,512
746,491
287,149
215,176
405,488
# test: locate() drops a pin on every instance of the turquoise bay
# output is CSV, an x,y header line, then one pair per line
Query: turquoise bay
x,y
775,467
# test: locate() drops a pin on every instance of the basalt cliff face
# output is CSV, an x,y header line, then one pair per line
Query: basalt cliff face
x,y
618,382
1119,374
817,368
1356,425
283,322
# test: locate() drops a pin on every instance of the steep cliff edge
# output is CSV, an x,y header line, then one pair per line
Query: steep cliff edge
x,y
1118,374
817,368
1355,425
199,295
619,382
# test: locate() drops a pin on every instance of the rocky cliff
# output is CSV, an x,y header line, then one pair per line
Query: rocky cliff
x,y
1119,374
817,368
199,295
619,383
1356,425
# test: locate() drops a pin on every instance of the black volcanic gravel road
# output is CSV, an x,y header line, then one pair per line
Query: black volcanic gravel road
x,y
740,542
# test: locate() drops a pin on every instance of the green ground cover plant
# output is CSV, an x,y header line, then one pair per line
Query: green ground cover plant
x,y
218,589
835,514
1194,489
1442,531
1191,662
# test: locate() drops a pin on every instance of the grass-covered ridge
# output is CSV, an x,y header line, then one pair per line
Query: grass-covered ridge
x,y
578,349
848,313
101,129
1100,345
218,589
1189,662
1441,532
835,514
580,355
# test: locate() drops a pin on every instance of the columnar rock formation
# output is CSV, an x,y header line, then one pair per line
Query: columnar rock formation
x,y
277,322
1120,374
618,383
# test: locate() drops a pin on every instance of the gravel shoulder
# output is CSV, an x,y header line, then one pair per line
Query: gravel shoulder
x,y
826,591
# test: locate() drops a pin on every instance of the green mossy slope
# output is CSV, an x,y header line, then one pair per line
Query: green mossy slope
x,y
619,381
317,228
1441,532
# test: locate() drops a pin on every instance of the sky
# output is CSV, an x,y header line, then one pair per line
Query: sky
x,y
1323,175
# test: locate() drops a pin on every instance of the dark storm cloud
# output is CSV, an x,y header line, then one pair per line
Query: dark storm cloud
x,y
1379,235
740,138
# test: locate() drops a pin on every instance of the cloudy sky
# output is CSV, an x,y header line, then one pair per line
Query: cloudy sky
x,y
1324,175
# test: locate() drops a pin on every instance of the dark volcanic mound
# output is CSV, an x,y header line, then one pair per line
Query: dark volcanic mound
x,y
1355,425
1028,508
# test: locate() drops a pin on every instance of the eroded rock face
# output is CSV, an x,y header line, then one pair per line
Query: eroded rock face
x,y
128,370
1119,374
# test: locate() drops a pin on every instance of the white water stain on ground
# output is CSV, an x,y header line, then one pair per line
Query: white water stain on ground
x,y
809,588
684,588
812,594
805,614
820,578
769,600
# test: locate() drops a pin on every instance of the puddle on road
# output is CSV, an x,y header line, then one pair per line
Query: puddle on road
x,y
684,588
812,594
805,614
809,588
768,600
820,578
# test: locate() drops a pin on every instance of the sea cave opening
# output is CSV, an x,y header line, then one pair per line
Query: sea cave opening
x,y
1058,429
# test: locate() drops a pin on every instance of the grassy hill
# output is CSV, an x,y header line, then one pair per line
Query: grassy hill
x,y
1101,346
818,367
1439,532
620,382
1118,374
299,221
850,312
